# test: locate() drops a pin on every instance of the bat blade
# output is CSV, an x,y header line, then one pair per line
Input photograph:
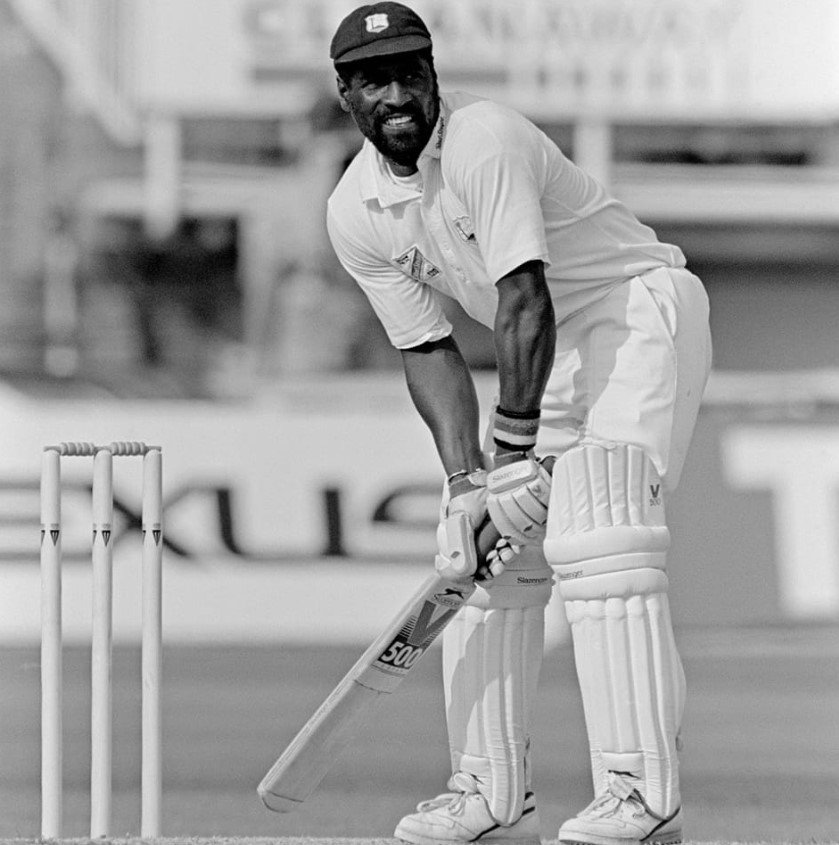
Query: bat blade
x,y
309,756
379,671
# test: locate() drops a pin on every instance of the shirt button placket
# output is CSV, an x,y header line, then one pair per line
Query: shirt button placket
x,y
435,222
437,229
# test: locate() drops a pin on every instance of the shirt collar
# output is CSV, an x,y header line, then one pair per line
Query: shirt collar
x,y
434,147
375,181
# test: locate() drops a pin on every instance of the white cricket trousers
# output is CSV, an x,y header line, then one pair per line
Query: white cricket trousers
x,y
631,368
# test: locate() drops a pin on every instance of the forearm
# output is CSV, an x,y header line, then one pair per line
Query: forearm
x,y
443,392
525,338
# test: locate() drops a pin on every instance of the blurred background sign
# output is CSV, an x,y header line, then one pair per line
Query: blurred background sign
x,y
622,59
269,505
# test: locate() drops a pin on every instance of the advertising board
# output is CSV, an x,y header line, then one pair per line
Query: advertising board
x,y
329,498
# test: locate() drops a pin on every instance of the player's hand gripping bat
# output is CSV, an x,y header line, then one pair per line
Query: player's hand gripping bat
x,y
380,670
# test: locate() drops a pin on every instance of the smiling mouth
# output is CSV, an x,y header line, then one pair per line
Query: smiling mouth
x,y
398,121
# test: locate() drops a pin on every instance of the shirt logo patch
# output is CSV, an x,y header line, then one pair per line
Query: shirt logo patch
x,y
464,228
377,23
416,265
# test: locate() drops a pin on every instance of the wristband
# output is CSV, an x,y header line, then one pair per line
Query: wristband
x,y
466,480
461,472
516,431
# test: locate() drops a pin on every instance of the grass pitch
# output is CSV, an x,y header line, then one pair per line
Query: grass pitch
x,y
302,840
759,765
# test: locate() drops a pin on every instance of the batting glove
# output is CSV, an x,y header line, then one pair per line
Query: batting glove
x,y
465,517
519,492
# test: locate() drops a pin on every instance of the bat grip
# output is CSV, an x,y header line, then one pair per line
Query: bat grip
x,y
486,537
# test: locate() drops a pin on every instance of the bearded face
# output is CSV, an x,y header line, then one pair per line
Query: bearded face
x,y
394,101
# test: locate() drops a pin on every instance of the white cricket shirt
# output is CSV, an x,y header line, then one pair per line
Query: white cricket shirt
x,y
492,192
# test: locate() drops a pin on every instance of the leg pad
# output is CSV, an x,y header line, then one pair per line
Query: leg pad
x,y
492,654
607,541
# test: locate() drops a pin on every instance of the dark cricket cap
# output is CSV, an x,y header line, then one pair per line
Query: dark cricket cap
x,y
380,29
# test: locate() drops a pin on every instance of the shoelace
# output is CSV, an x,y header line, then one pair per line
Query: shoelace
x,y
620,792
465,786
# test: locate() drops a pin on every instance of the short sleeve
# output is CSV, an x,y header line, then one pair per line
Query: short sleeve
x,y
409,311
501,188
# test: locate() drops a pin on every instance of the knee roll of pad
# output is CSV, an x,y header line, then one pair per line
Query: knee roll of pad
x,y
605,501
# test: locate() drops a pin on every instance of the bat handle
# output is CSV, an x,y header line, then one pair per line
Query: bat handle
x,y
486,537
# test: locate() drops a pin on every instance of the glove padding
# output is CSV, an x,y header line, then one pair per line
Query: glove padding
x,y
457,555
519,493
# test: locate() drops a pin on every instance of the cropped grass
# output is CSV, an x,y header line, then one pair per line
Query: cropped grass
x,y
758,765
302,840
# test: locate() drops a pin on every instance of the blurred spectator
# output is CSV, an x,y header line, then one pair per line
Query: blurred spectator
x,y
182,291
318,323
60,297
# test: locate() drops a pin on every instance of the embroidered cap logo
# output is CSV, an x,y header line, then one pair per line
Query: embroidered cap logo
x,y
377,22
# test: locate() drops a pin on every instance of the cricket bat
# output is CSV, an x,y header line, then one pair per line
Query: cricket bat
x,y
379,671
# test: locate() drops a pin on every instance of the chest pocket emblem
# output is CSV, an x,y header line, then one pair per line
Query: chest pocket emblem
x,y
465,228
416,265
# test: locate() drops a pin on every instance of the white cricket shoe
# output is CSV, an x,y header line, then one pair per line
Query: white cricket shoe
x,y
621,817
463,816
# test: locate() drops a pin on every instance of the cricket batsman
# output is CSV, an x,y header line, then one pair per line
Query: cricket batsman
x,y
603,350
